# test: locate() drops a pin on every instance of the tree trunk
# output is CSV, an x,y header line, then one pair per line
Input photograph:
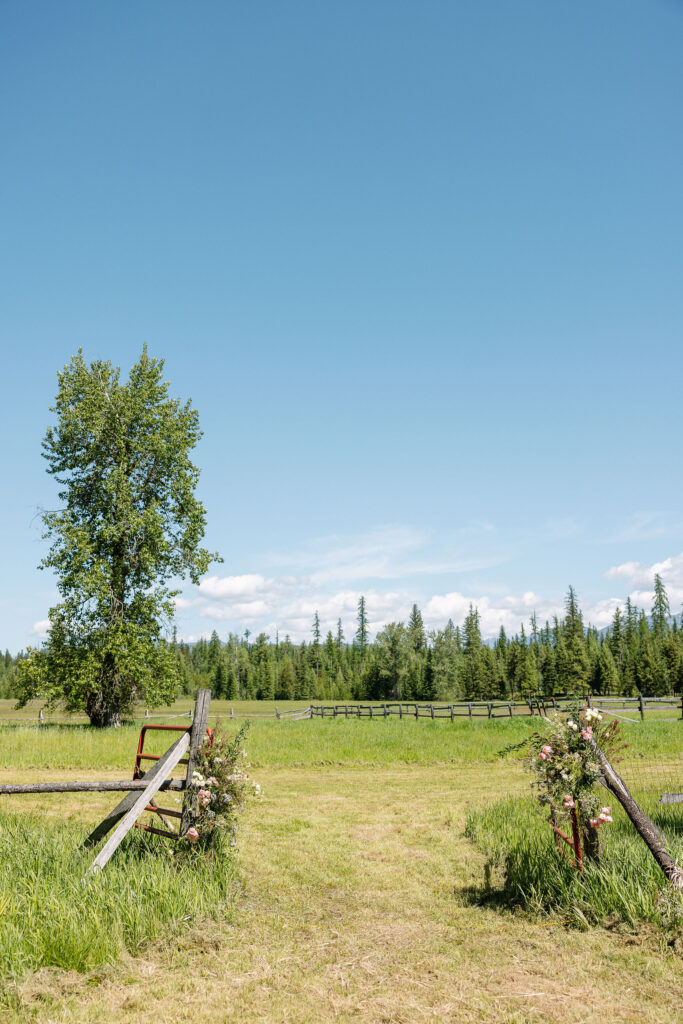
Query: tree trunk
x,y
103,712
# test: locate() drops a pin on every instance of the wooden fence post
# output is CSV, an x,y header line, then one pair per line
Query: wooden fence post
x,y
197,735
641,707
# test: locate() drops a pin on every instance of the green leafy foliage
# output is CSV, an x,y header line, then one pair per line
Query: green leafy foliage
x,y
129,524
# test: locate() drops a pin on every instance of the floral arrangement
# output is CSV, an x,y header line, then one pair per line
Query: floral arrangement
x,y
564,762
222,786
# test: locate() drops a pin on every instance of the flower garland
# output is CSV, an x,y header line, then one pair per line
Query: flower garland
x,y
565,765
222,785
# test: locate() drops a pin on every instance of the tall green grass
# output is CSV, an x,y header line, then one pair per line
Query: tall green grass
x,y
308,743
517,839
51,919
317,742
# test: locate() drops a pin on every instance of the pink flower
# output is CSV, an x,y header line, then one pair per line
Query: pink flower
x,y
212,781
192,835
543,757
203,798
547,750
596,823
569,802
587,732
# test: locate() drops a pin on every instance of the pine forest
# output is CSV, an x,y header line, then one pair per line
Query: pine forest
x,y
640,652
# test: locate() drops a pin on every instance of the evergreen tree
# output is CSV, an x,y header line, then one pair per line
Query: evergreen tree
x,y
617,639
472,661
660,610
362,633
416,631
315,650
605,677
392,661
287,689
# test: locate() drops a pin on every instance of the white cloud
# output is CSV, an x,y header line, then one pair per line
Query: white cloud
x,y
244,611
182,603
641,575
510,611
40,629
217,587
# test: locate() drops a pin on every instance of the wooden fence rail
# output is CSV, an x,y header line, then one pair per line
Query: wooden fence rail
x,y
492,709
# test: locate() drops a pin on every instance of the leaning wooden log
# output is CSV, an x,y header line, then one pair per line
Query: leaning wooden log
x,y
88,787
165,766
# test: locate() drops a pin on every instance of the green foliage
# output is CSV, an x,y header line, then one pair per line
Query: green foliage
x,y
128,525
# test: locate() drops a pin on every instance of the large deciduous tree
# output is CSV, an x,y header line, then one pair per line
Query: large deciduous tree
x,y
129,524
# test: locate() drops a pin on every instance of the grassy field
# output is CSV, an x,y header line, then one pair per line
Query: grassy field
x,y
361,898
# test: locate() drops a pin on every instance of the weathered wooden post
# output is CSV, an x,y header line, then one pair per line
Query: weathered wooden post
x,y
197,734
641,707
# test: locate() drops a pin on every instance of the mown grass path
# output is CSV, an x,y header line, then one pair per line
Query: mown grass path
x,y
359,904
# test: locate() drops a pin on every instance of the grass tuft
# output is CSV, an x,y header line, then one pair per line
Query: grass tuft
x,y
625,886
51,919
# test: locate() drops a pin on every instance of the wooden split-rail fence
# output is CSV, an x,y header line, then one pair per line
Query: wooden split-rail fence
x,y
141,793
498,709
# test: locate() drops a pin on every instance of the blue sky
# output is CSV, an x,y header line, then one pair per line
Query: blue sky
x,y
417,265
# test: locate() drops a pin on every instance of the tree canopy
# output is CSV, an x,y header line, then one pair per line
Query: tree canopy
x,y
129,524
